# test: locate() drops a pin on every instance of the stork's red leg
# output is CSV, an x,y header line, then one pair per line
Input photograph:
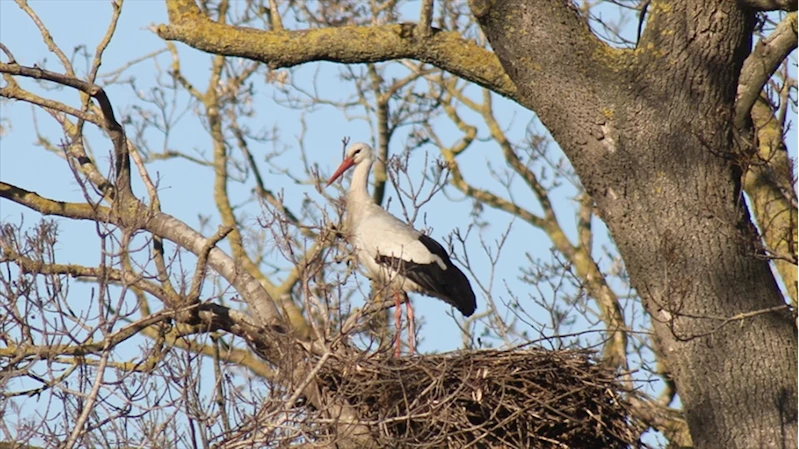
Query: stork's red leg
x,y
411,325
398,324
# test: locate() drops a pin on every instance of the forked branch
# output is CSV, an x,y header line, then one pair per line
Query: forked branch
x,y
111,126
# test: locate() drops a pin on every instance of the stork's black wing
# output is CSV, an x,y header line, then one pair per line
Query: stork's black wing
x,y
449,284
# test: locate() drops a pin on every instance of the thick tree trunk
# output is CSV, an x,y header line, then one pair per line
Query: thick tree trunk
x,y
650,134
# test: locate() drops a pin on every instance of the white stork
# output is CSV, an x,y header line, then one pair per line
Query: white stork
x,y
394,253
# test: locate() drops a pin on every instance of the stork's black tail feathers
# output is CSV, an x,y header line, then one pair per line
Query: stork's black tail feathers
x,y
459,291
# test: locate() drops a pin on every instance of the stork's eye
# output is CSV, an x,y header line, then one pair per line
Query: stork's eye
x,y
356,152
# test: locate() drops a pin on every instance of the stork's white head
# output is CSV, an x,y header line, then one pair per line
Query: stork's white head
x,y
359,153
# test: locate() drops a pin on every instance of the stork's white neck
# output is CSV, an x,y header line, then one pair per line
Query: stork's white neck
x,y
359,192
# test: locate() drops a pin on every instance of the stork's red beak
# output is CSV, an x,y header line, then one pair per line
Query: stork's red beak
x,y
346,164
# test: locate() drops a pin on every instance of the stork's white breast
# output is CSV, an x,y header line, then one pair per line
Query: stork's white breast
x,y
380,233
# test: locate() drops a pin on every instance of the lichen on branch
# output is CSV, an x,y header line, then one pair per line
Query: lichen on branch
x,y
449,51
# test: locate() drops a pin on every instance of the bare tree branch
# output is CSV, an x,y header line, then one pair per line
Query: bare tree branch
x,y
274,14
268,331
347,44
769,183
764,60
163,225
114,129
426,18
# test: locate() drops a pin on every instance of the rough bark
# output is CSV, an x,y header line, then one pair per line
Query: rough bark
x,y
649,132
770,5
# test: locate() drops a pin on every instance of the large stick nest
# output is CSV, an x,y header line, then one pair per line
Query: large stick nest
x,y
522,398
